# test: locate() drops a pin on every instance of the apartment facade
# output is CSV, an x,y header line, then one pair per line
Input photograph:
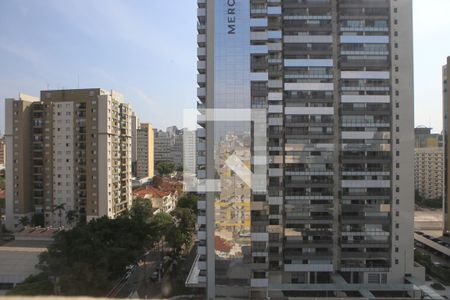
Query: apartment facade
x,y
429,172
426,139
335,79
189,152
163,146
145,151
135,125
446,126
2,151
70,148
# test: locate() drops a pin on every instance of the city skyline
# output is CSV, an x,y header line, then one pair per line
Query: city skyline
x,y
108,43
225,149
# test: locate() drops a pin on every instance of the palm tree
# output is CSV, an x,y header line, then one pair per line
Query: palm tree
x,y
60,208
71,216
24,221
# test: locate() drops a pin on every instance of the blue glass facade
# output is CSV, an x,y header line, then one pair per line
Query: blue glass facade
x,y
232,91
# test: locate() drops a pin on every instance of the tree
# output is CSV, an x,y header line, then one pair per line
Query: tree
x,y
141,210
38,220
427,203
188,201
179,235
165,168
161,222
90,257
60,208
24,221
33,285
71,217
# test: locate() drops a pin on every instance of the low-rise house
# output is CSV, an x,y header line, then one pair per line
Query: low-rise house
x,y
161,201
164,193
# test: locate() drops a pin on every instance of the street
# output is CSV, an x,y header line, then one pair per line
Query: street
x,y
125,288
434,258
168,285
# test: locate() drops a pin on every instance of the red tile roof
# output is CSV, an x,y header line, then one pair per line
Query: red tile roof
x,y
162,187
150,190
222,245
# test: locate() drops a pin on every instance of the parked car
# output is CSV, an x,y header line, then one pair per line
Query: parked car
x,y
155,276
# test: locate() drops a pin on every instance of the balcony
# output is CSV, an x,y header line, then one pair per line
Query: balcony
x,y
348,220
365,255
308,244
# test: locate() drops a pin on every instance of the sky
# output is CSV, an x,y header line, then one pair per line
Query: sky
x,y
146,49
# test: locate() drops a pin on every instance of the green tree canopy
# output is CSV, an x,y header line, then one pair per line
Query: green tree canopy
x,y
165,168
179,236
38,220
188,200
141,210
24,221
89,257
33,285
161,223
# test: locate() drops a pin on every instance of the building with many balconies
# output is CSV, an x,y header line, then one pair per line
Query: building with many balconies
x,y
70,150
429,172
335,80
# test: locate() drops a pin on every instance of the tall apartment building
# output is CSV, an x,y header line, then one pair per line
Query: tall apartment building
x,y
336,79
189,151
428,163
135,125
445,129
145,151
71,148
426,139
183,149
163,146
2,151
176,151
429,172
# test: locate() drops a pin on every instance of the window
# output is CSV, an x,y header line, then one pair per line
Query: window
x,y
373,278
259,275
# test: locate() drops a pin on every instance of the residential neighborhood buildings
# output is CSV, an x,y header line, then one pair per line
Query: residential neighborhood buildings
x,y
71,150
